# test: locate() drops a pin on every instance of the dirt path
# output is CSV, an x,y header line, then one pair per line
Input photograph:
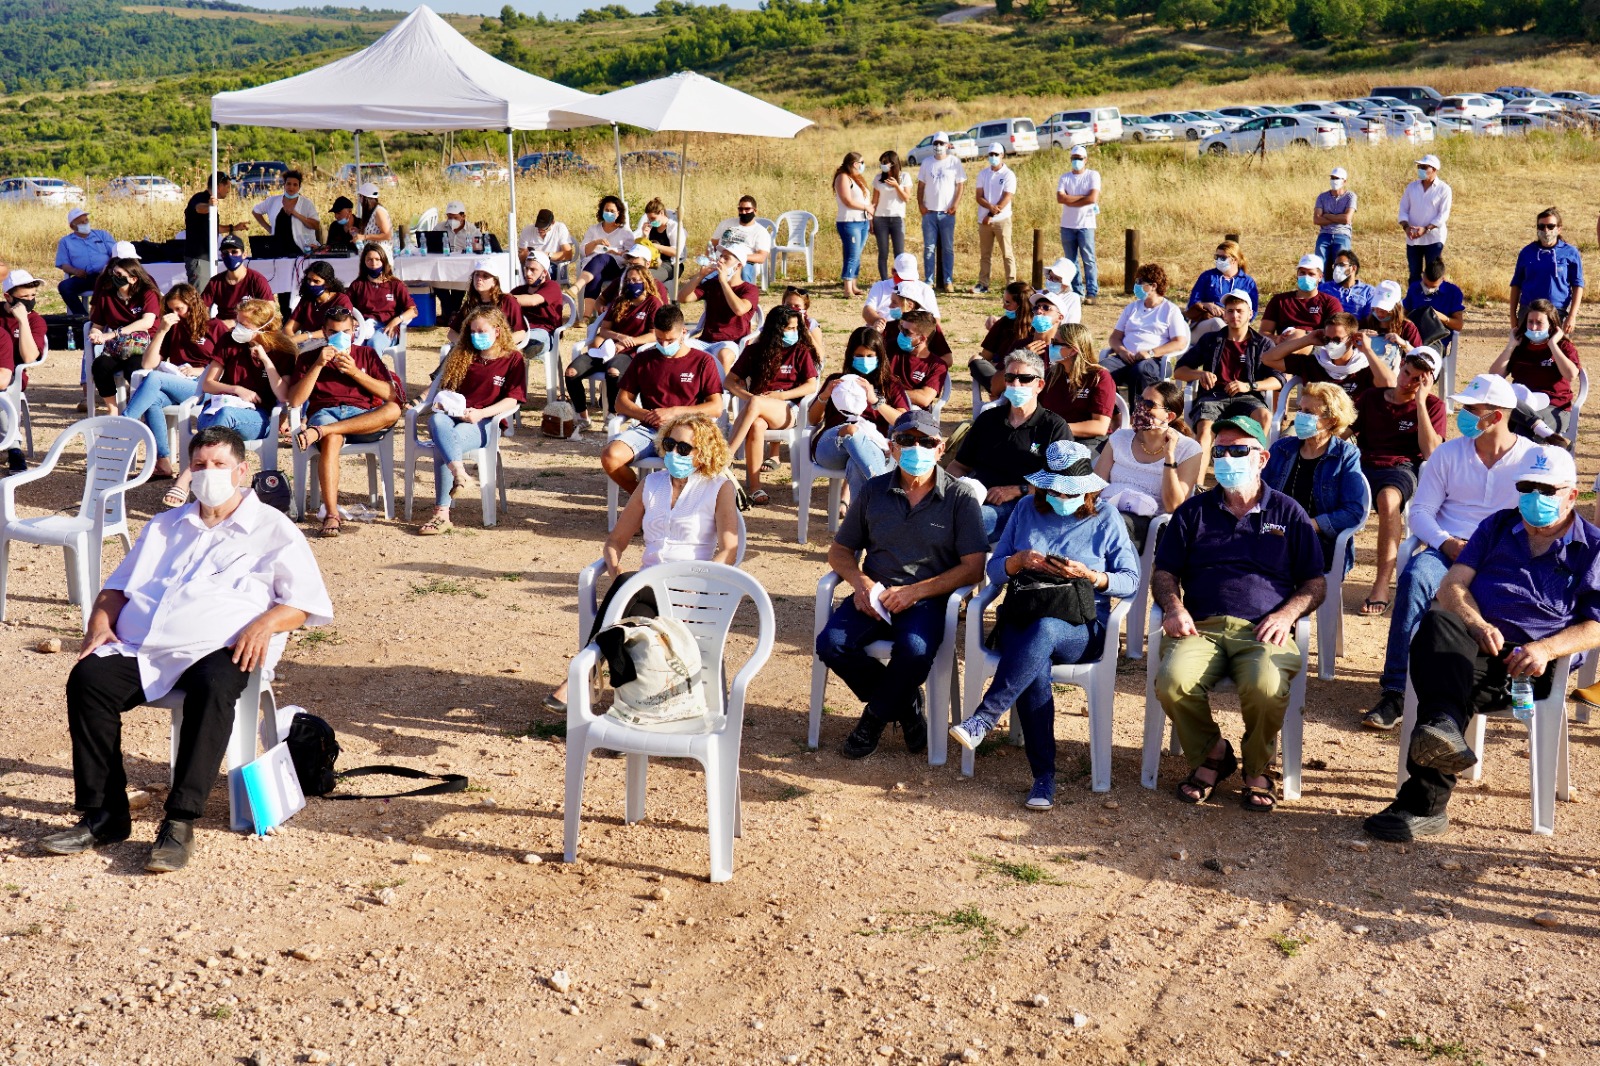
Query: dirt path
x,y
965,14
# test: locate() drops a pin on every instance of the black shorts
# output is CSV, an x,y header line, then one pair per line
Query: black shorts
x,y
1211,409
1403,478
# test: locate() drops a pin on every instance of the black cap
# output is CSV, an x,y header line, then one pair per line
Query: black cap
x,y
230,242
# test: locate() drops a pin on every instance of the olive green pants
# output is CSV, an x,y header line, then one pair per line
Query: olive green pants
x,y
1226,648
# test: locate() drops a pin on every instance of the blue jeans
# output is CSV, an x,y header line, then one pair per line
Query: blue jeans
x,y
939,236
1023,679
150,400
996,515
852,238
858,457
451,441
72,290
327,416
888,690
752,272
1329,245
1419,255
249,422
1413,595
1076,244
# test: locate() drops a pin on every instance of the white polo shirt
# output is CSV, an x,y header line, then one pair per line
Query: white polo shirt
x,y
550,244
1456,491
1081,184
994,184
941,181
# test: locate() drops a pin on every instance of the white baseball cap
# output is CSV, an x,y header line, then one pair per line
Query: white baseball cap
x,y
454,207
1241,295
1080,152
539,256
997,149
1528,400
20,279
1548,466
489,264
638,254
1338,172
75,214
1061,301
1429,160
905,266
1388,295
941,137
1063,268
1310,261
1490,389
1429,355
738,249
124,250
920,293
367,188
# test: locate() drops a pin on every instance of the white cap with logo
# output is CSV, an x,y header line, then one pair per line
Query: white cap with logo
x,y
454,207
1239,296
1489,389
1388,295
1547,465
1428,355
905,266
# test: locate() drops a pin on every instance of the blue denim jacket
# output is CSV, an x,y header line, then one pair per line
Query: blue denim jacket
x,y
1335,490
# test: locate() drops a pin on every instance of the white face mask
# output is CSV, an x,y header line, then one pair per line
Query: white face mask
x,y
82,229
243,334
1335,184
940,150
1223,263
214,487
996,160
1341,274
457,223
884,167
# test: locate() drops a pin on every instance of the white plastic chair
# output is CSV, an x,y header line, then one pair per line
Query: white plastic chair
x,y
1330,613
589,596
1141,595
91,397
1280,410
255,715
800,238
1447,377
942,682
1098,679
429,219
764,270
487,459
805,473
112,445
1290,739
614,425
1573,423
551,357
1549,772
19,420
380,461
10,423
705,597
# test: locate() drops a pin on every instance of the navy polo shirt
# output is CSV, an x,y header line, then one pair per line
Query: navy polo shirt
x,y
1239,567
1548,273
1447,302
1529,597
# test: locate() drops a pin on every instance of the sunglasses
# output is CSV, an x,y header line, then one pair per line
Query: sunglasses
x,y
916,440
1024,379
793,290
1546,229
682,447
1535,486
1234,451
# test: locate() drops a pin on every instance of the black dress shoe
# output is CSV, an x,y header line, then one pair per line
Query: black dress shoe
x,y
1439,745
95,829
863,739
914,727
174,844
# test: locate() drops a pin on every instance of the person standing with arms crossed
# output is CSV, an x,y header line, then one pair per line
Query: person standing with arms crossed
x,y
1078,193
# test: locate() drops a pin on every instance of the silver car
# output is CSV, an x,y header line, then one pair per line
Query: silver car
x,y
1190,125
1138,129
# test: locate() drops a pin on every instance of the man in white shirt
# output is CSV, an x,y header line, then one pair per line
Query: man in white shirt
x,y
550,237
290,218
1425,217
939,181
200,602
996,188
1078,193
1463,482
458,232
744,230
880,298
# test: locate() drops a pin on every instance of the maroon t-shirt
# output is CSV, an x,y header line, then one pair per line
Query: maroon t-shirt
x,y
11,341
487,383
227,296
239,367
721,323
1311,371
1095,397
919,373
683,380
310,316
1289,309
381,300
1387,433
796,364
1535,369
180,347
635,323
1005,337
112,312
335,388
1408,330
938,347
548,315
507,306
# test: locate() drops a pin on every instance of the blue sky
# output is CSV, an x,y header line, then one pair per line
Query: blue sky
x,y
552,8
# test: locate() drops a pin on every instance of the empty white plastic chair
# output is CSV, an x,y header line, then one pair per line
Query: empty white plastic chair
x,y
487,459
800,238
112,445
1330,613
16,431
380,467
704,596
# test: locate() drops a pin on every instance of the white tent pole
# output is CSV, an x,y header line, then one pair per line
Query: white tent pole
x,y
358,158
616,136
683,229
511,223
211,214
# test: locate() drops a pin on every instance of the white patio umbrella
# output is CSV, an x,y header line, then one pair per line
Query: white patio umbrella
x,y
685,102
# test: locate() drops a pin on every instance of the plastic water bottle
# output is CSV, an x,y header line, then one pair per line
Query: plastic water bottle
x,y
72,337
1522,698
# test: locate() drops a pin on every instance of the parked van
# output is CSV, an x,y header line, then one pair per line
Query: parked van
x,y
1422,96
1104,122
1016,135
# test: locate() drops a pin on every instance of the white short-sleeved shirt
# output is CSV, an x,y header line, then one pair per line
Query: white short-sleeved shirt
x,y
192,590
879,295
620,238
755,235
941,181
1079,185
995,184
890,203
1146,328
550,244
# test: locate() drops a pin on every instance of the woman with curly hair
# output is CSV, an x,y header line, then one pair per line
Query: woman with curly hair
x,y
602,250
626,327
122,311
774,371
686,511
1077,388
320,292
184,342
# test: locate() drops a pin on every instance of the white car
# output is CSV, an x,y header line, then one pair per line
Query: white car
x,y
1323,107
1583,100
1519,123
1066,134
1275,132
963,146
1243,113
1453,123
1191,125
1355,129
1402,125
1470,105
47,192
477,172
1227,122
1138,129
144,189
1533,105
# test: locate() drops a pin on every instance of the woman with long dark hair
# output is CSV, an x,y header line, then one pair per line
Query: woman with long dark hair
x,y
853,209
320,292
891,191
1078,388
122,311
779,367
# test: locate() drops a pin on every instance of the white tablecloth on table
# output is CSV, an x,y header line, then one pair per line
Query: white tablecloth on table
x,y
417,271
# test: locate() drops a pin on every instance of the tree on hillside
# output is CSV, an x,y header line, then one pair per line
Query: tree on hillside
x,y
1253,16
1196,14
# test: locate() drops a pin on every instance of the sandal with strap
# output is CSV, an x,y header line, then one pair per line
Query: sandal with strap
x,y
759,498
1371,608
1250,793
1223,767
434,526
175,497
769,466
330,525
303,442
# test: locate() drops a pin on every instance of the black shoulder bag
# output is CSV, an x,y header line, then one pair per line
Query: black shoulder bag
x,y
1032,595
314,748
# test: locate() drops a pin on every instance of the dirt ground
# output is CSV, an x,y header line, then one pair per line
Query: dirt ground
x,y
880,911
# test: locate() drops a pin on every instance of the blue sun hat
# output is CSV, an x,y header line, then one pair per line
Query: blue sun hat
x,y
1069,470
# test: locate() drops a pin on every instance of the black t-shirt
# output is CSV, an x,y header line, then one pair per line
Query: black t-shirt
x,y
999,453
197,227
1302,476
283,235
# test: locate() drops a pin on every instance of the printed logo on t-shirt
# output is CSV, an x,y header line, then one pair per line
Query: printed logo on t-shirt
x,y
787,368
919,375
1405,425
686,378
499,379
1277,529
1083,393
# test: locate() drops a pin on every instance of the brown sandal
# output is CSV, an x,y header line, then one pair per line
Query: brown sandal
x,y
330,525
1249,794
304,444
1223,767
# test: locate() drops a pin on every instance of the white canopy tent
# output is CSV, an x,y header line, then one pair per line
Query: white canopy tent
x,y
421,76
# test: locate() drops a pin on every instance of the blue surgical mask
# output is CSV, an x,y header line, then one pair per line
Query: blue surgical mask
x,y
1536,336
1422,173
678,466
865,364
917,461
1234,472
340,341
1306,425
790,337
1305,282
1538,509
1052,285
1012,315
1055,353
668,348
1139,291
904,341
233,262
482,341
1467,423
608,215
1079,164
1018,395
1064,505
895,314
1041,323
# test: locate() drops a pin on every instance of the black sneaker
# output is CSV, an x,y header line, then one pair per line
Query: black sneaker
x,y
1400,826
173,847
16,462
94,830
1439,745
1387,712
914,727
863,739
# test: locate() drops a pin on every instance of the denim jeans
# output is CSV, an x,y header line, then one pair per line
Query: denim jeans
x,y
888,689
1418,256
939,239
327,416
752,272
1329,245
890,233
1023,679
858,457
1076,244
852,238
72,290
1413,595
451,441
996,515
151,398
249,422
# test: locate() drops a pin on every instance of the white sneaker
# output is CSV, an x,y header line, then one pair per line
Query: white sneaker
x,y
970,734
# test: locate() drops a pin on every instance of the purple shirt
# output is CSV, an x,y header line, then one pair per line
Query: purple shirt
x,y
1239,567
1529,597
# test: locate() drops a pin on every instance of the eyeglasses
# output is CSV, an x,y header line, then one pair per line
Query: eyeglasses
x,y
916,440
1143,406
1543,228
1023,379
1234,451
682,447
1539,487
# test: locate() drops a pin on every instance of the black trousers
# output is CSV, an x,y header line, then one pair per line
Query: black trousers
x,y
1454,679
583,366
102,688
105,369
